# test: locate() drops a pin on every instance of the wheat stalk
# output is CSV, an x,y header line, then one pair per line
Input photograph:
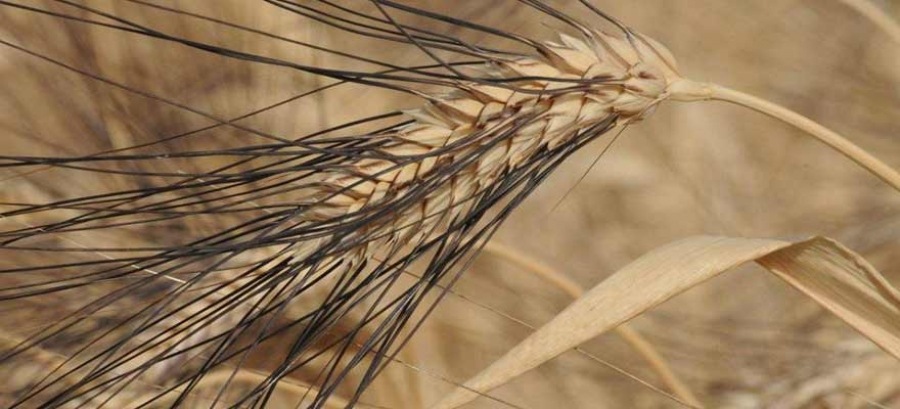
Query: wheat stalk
x,y
352,212
686,90
415,183
877,16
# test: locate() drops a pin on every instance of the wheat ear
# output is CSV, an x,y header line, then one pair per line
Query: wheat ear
x,y
430,183
484,131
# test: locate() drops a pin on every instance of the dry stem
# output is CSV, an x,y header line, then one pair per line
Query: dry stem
x,y
686,90
877,16
644,348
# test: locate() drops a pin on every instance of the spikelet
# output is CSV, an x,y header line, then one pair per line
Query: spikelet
x,y
625,79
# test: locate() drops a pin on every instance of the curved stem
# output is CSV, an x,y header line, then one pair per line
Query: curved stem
x,y
631,336
877,16
686,90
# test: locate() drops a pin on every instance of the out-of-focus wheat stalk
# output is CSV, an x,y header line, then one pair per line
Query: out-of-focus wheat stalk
x,y
877,16
629,334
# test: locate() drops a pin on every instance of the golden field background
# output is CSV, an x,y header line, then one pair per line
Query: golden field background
x,y
743,340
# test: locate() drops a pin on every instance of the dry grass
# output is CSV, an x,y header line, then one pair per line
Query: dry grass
x,y
839,280
741,340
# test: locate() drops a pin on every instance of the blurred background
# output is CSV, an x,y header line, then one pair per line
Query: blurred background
x,y
743,340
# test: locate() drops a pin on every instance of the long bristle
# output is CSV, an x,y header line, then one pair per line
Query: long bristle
x,y
309,237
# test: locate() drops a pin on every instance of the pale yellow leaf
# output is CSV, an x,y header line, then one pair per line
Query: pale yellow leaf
x,y
845,284
826,271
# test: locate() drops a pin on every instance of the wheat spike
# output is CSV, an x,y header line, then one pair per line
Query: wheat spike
x,y
620,80
412,184
427,181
